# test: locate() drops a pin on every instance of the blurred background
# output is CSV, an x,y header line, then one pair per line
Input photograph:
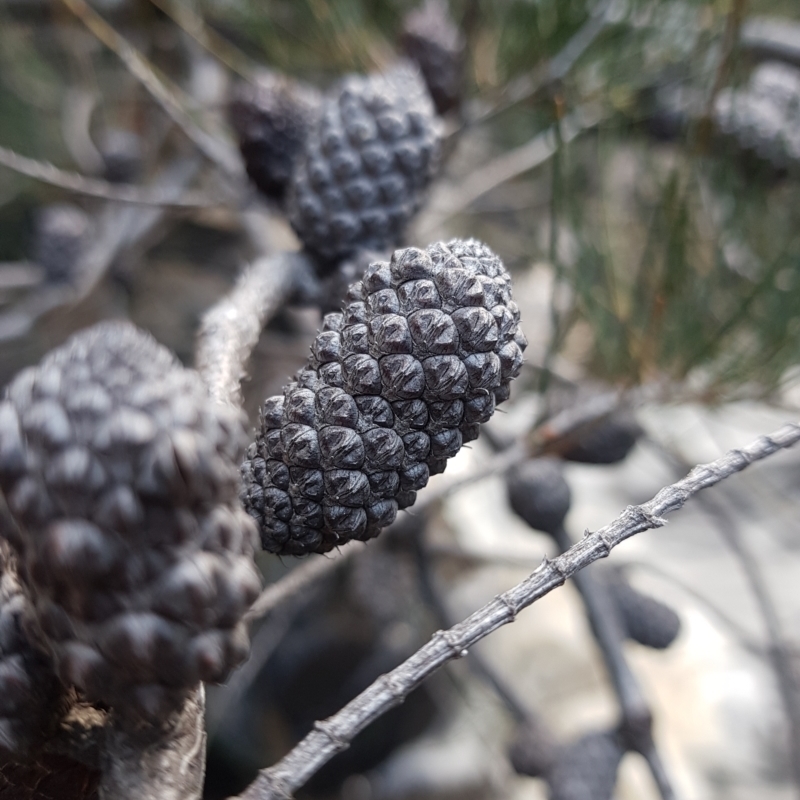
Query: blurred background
x,y
636,164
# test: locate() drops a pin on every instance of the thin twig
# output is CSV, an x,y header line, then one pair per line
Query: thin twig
x,y
335,734
214,146
163,197
230,329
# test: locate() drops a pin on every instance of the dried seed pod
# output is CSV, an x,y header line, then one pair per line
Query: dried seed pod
x,y
607,442
390,393
539,493
272,116
645,619
59,237
587,769
28,685
532,751
122,477
365,165
432,40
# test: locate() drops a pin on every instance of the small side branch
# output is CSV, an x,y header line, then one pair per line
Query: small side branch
x,y
335,734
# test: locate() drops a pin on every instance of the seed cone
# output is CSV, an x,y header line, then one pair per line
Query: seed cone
x,y
121,475
432,40
28,684
272,117
644,619
587,769
365,165
539,493
396,383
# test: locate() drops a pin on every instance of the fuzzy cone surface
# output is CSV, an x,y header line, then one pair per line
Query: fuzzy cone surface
x,y
432,40
366,165
122,476
28,684
272,117
425,347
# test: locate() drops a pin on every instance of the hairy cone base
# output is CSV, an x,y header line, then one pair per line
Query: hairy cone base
x,y
539,493
272,117
644,619
587,769
432,40
397,382
122,477
366,165
28,684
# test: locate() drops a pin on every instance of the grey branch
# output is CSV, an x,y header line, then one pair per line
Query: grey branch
x,y
334,735
230,329
48,173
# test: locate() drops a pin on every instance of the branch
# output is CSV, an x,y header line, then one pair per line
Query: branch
x,y
334,735
230,329
75,182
